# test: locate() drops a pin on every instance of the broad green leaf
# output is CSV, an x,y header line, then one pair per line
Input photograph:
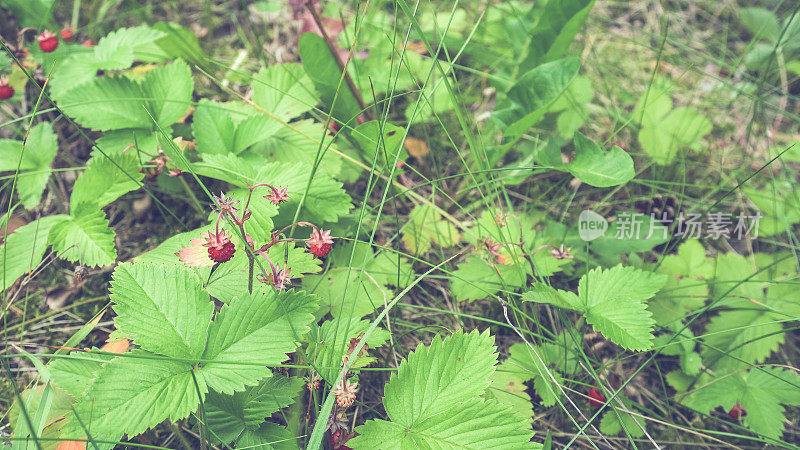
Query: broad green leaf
x,y
435,378
434,401
268,436
348,291
613,301
213,128
103,181
178,42
761,391
631,425
60,404
31,13
168,89
474,423
33,162
284,90
85,237
737,338
258,329
297,143
357,290
321,67
135,392
380,142
76,373
761,22
553,34
535,91
509,390
679,129
599,167
107,104
476,278
23,249
161,308
252,130
425,227
326,201
229,415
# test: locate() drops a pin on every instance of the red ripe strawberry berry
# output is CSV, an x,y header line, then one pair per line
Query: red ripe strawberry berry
x,y
6,91
222,254
47,41
68,34
88,43
320,242
596,398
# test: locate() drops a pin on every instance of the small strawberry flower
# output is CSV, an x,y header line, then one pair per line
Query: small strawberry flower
x,y
596,398
68,34
6,91
47,41
277,195
345,393
320,242
212,248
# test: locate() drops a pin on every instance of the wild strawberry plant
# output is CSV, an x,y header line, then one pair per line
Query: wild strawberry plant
x,y
297,209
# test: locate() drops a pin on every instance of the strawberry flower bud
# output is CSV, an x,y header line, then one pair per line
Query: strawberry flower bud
x,y
68,34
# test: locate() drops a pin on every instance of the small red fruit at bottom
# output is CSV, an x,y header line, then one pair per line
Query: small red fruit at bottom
x,y
737,411
319,250
68,34
88,43
6,91
47,41
596,398
223,254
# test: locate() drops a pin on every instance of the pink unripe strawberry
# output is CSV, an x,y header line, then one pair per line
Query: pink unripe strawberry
x,y
68,34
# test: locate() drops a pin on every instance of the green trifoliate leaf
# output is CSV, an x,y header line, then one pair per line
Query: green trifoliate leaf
x,y
761,391
613,301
